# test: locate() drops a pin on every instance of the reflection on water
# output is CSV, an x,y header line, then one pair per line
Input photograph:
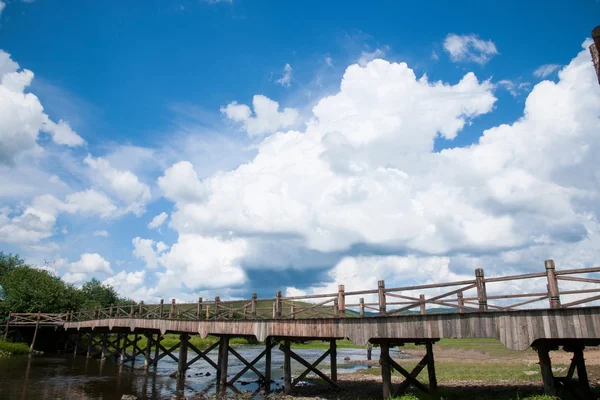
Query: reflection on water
x,y
76,377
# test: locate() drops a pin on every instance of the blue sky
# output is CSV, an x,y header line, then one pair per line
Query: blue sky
x,y
388,172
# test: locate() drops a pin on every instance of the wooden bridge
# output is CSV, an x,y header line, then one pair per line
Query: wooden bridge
x,y
568,318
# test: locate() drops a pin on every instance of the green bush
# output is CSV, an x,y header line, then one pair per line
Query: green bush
x,y
13,348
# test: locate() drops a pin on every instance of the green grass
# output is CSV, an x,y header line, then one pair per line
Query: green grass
x,y
489,372
493,347
10,348
475,393
170,340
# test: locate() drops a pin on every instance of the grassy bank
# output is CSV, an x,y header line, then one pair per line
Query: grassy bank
x,y
170,340
10,348
475,394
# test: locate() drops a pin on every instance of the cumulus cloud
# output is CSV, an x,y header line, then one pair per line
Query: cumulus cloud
x,y
545,70
88,264
23,116
471,48
266,119
368,56
124,184
364,173
158,220
129,284
148,250
286,78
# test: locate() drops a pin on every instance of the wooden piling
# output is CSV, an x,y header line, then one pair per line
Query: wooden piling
x,y
89,345
104,339
582,375
148,350
156,350
37,326
333,359
182,359
431,366
422,304
553,293
386,370
481,292
223,361
123,349
287,368
268,341
77,336
546,368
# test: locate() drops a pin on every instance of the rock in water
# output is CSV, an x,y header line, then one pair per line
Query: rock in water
x,y
128,397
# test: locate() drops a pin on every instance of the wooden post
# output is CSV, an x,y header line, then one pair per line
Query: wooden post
x,y
333,359
293,310
369,350
481,293
161,308
182,359
287,368
546,369
581,370
37,325
553,293
136,339
431,366
141,310
381,294
172,309
336,309
422,304
156,349
274,310
132,309
253,305
123,349
110,311
386,370
361,303
278,305
341,301
89,346
104,339
75,351
268,365
595,50
461,302
208,311
147,350
223,360
216,312
199,309
7,324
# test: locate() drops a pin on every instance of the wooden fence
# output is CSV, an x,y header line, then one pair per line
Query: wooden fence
x,y
472,295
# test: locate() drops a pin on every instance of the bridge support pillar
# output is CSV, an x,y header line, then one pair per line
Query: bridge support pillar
x,y
287,368
386,370
89,345
543,351
268,347
222,362
182,359
104,343
148,350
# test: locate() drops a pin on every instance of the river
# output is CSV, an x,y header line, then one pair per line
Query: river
x,y
76,377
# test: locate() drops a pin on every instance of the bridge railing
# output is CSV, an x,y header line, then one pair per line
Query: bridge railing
x,y
480,294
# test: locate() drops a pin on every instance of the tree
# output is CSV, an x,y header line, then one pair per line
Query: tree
x,y
98,295
31,290
8,262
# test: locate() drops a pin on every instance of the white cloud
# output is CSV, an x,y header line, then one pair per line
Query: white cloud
x,y
148,250
286,78
158,220
181,182
23,116
515,88
364,171
196,262
266,119
88,265
545,70
91,202
2,6
102,233
366,56
129,284
469,48
124,184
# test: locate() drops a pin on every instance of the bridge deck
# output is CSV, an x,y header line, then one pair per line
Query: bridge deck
x,y
517,330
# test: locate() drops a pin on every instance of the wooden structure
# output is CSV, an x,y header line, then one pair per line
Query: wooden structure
x,y
567,318
595,50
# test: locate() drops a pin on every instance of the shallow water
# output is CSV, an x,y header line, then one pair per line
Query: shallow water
x,y
75,377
